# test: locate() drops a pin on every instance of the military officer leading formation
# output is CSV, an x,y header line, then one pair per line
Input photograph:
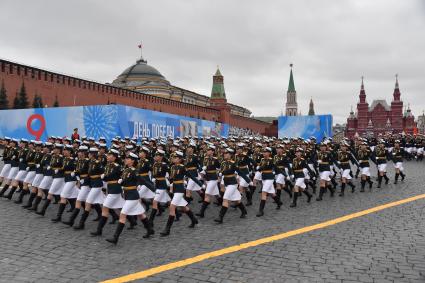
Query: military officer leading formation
x,y
134,181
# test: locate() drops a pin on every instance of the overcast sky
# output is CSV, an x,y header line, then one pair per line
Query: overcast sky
x,y
331,44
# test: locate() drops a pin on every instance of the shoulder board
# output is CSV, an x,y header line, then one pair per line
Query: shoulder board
x,y
116,164
232,161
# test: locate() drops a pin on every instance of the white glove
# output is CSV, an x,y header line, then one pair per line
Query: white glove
x,y
82,181
119,181
292,177
204,168
102,176
56,171
38,165
202,172
258,168
21,159
288,178
204,187
168,183
27,169
78,178
153,180
48,168
220,174
251,183
72,174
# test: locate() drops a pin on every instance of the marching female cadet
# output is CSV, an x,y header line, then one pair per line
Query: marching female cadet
x,y
43,178
81,174
280,160
231,194
132,206
266,168
191,163
381,160
21,166
159,178
344,157
256,160
113,199
177,175
363,155
56,168
243,163
38,174
397,157
324,160
95,197
210,174
146,188
299,165
7,144
30,162
69,192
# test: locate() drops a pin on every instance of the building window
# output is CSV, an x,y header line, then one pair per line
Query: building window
x,y
25,72
45,76
51,77
39,75
2,66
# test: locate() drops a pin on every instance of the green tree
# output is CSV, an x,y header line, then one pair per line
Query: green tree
x,y
56,104
4,102
23,99
16,102
37,103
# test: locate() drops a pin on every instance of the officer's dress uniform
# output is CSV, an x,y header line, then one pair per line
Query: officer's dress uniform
x,y
210,168
31,164
228,169
38,160
47,172
14,163
82,175
22,165
266,168
70,190
257,157
381,159
129,182
191,164
344,158
363,158
7,162
397,157
111,176
58,182
159,173
143,170
243,162
96,196
324,160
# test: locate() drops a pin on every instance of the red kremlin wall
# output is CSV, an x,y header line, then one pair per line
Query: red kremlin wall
x,y
71,91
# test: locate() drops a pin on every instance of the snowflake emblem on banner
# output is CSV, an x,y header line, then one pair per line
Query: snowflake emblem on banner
x,y
100,121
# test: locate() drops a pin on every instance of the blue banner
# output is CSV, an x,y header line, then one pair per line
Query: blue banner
x,y
103,121
319,126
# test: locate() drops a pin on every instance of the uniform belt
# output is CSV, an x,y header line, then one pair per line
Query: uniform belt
x,y
31,163
212,171
112,182
84,176
229,176
68,172
267,171
129,188
160,179
144,174
191,168
95,176
324,163
242,167
56,168
178,182
299,170
364,160
382,158
280,167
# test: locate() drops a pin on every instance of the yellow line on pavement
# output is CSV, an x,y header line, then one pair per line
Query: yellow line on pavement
x,y
232,249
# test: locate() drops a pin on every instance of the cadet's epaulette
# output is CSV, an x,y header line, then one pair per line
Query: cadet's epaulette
x,y
60,155
132,168
232,161
116,164
164,163
215,158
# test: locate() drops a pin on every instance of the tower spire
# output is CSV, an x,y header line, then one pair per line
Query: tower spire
x,y
396,94
291,96
291,86
311,108
218,86
362,86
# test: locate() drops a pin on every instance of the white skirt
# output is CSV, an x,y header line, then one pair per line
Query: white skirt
x,y
268,187
242,182
258,176
145,193
21,175
57,186
132,207
346,174
365,171
68,190
232,193
114,201
46,182
95,196
280,179
382,167
299,182
5,171
399,165
325,175
30,177
192,186
161,196
12,173
178,199
83,194
37,180
212,188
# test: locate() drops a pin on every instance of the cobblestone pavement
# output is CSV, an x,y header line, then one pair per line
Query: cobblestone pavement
x,y
387,246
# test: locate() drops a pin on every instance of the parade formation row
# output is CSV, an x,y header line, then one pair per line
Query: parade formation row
x,y
153,174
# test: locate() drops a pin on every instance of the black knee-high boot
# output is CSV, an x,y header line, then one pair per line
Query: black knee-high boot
x,y
321,192
363,183
74,215
248,196
341,194
369,181
11,192
379,181
276,198
21,196
83,219
193,219
56,198
4,190
133,221
60,212
353,187
100,226
309,196
223,211
204,206
261,210
152,216
30,200
167,229
294,200
71,202
44,208
332,190
118,231
148,227
114,216
386,179
243,210
98,209
147,204
396,178
35,204
288,191
402,175
334,183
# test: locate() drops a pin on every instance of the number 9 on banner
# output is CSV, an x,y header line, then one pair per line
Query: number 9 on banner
x,y
33,120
